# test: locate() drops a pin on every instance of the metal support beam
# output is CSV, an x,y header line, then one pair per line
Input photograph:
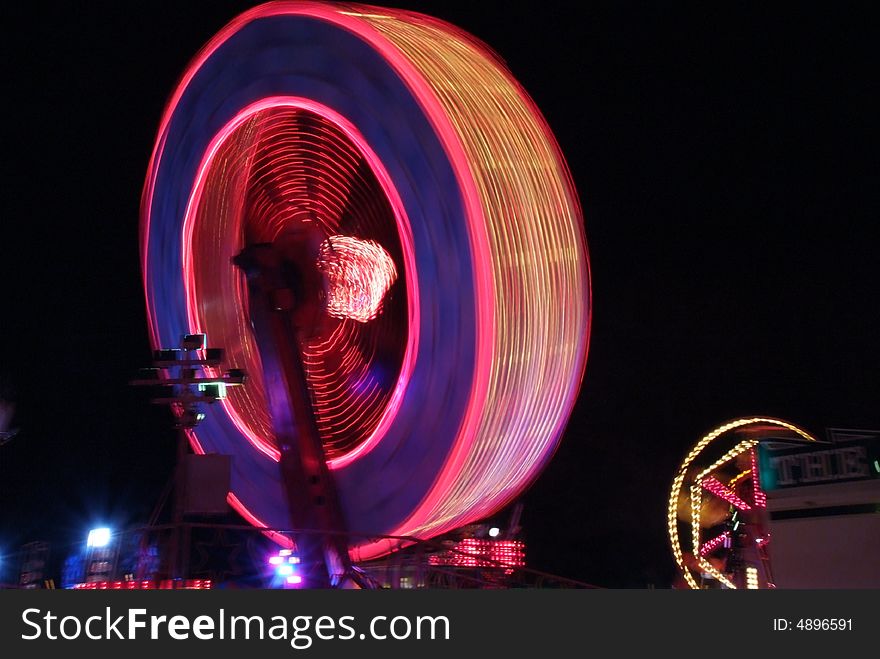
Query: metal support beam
x,y
280,298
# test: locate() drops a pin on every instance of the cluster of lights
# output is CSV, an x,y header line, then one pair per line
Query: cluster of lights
x,y
696,496
705,566
524,229
721,491
722,540
475,552
759,494
147,584
359,274
751,578
284,569
696,486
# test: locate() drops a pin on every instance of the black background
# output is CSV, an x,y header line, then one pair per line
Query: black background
x,y
726,162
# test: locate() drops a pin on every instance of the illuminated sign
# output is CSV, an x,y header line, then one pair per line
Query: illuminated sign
x,y
845,461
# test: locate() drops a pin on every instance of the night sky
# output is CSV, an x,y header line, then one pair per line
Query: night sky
x,y
726,160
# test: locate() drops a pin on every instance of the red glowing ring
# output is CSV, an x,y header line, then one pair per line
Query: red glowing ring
x,y
404,233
